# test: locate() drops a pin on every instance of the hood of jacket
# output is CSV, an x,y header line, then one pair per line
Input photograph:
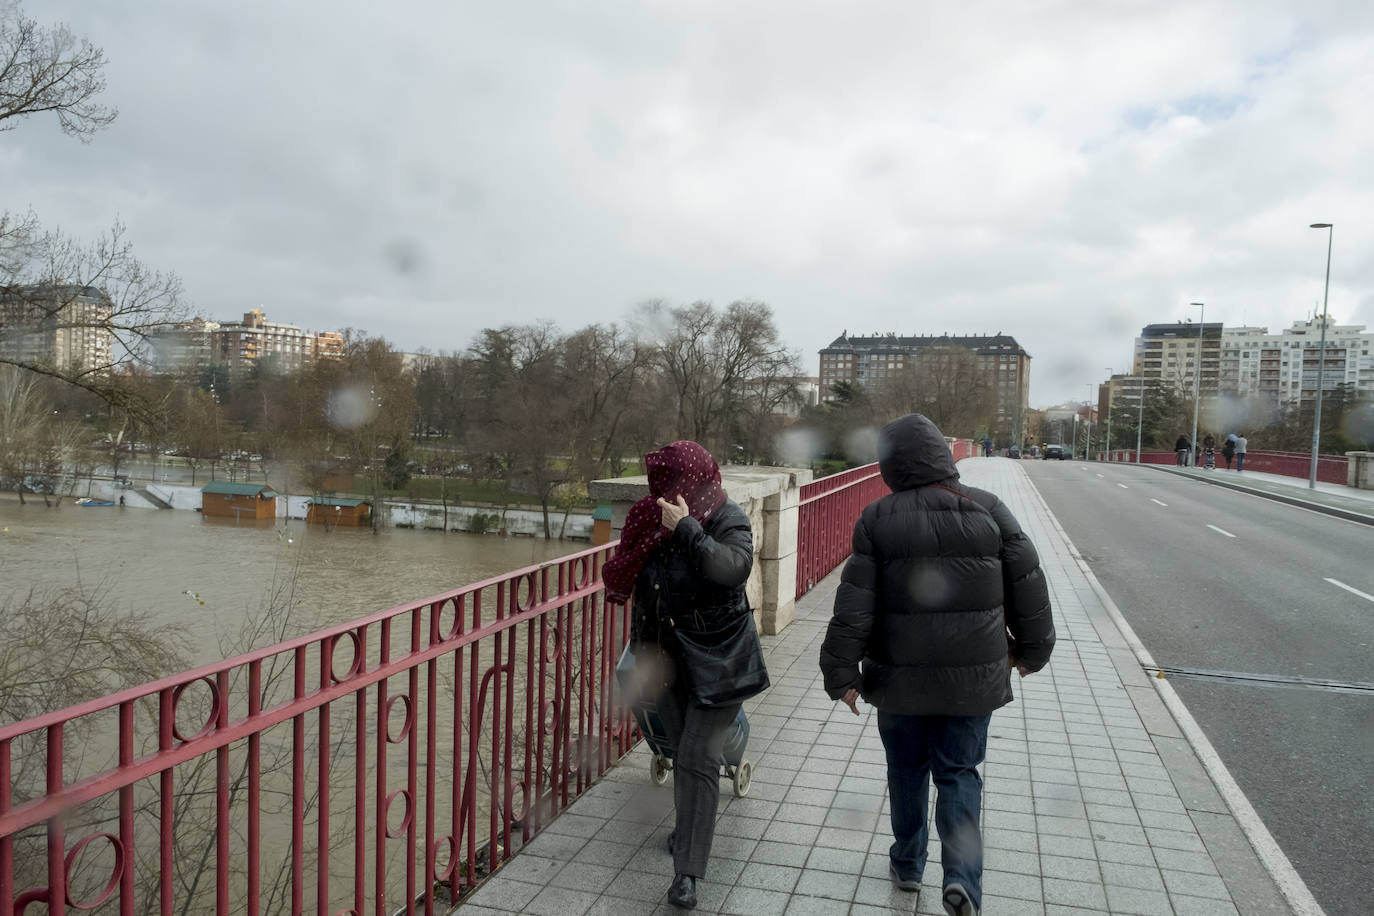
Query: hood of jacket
x,y
912,453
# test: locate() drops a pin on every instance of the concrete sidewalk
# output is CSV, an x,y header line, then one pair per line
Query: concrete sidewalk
x,y
1094,801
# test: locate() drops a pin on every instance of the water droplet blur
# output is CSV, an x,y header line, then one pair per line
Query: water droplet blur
x,y
931,587
404,255
1359,426
350,408
861,445
799,447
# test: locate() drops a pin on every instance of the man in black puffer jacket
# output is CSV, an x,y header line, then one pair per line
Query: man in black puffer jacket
x,y
940,599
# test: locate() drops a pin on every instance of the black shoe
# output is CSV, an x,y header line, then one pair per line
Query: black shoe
x,y
903,884
683,892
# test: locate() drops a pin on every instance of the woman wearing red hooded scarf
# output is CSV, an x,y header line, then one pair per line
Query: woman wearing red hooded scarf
x,y
685,555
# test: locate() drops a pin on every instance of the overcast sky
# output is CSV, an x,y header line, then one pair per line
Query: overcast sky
x,y
1061,172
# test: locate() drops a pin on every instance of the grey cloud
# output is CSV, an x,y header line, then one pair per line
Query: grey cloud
x,y
1065,174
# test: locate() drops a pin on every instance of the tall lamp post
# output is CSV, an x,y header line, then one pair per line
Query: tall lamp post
x,y
1321,361
1107,446
1197,378
1088,446
1139,414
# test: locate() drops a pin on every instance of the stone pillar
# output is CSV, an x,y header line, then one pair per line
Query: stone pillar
x,y
777,559
1359,470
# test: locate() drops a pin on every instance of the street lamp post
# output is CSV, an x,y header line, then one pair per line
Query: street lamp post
x,y
1107,447
1197,379
1321,361
1139,415
1088,447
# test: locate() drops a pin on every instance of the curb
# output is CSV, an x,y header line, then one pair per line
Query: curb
x,y
1349,515
1265,848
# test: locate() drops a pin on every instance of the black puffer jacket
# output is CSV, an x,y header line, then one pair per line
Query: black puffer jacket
x,y
942,584
696,577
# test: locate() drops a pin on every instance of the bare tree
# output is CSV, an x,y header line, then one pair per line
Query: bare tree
x,y
713,363
53,287
604,367
946,383
48,70
21,415
527,414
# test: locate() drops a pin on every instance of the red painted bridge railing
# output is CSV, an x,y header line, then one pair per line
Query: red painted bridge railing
x,y
826,514
1330,468
384,765
829,507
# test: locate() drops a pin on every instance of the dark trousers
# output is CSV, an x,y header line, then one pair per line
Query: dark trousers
x,y
697,734
947,749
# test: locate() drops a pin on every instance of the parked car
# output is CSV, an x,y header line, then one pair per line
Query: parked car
x,y
1032,452
1053,451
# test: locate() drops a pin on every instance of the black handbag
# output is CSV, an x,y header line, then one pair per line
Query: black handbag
x,y
723,665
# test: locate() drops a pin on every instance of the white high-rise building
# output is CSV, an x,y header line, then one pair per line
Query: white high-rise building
x,y
64,328
1284,367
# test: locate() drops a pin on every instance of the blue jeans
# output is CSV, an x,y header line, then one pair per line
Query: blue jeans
x,y
1240,461
949,750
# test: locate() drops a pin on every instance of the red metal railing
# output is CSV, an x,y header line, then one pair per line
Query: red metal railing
x,y
829,508
1330,468
485,710
826,515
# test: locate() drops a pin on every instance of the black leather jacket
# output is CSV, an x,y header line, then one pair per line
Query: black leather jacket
x,y
696,578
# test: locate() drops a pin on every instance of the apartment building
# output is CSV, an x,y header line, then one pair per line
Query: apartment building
x,y
64,328
185,346
328,345
1284,367
239,345
1182,354
871,360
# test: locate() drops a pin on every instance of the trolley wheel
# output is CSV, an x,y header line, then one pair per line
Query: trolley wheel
x,y
744,773
659,768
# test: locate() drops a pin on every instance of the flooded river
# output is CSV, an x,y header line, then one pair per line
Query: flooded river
x,y
208,574
209,577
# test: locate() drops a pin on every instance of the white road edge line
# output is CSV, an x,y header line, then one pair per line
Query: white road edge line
x,y
1158,503
1102,475
1353,591
1290,883
1123,486
1220,531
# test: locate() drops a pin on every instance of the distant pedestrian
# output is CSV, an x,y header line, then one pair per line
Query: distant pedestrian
x,y
121,500
1228,450
1209,452
1181,448
987,447
1242,444
941,598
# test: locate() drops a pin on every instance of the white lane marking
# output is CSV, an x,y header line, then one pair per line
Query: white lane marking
x,y
1123,486
1101,475
1276,863
1353,591
1219,531
1158,503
